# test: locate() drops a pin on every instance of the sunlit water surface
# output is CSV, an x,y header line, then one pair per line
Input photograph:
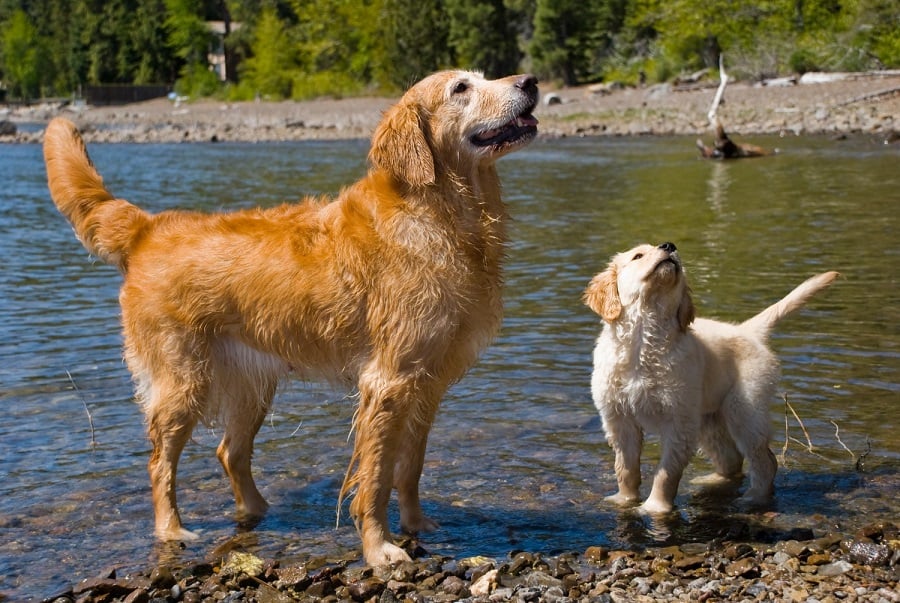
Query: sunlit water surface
x,y
516,459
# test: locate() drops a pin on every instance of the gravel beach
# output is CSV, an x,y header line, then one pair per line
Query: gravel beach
x,y
852,103
799,566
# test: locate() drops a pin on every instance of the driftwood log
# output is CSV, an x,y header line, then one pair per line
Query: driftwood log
x,y
723,147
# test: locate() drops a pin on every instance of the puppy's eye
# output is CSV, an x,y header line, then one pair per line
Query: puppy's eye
x,y
460,87
637,256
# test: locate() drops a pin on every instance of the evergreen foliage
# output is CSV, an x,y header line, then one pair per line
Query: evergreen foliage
x,y
308,48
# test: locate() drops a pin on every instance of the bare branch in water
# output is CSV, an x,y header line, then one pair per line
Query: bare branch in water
x,y
809,444
837,436
860,461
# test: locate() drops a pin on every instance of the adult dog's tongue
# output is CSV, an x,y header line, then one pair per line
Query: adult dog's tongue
x,y
513,130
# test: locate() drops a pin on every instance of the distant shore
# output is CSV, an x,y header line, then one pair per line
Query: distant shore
x,y
844,104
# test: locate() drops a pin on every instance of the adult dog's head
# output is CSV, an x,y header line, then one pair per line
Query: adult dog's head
x,y
647,278
454,121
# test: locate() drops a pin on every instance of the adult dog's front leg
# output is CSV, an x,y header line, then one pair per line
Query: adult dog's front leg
x,y
408,469
379,425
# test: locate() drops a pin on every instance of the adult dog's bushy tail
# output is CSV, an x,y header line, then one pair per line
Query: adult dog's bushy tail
x,y
106,226
764,321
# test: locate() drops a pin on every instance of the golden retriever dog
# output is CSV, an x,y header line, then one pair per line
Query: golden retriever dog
x,y
692,381
392,287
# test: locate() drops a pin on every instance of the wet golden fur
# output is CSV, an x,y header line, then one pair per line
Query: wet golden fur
x,y
691,380
393,287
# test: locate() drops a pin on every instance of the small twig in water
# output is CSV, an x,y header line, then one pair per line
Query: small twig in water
x,y
299,425
862,457
86,409
837,436
787,435
809,444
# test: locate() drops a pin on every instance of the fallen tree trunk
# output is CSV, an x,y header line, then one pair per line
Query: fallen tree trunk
x,y
723,147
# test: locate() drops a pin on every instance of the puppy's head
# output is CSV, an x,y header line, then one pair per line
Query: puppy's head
x,y
454,119
646,278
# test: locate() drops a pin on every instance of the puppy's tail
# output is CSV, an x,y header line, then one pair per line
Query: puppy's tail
x,y
106,226
763,322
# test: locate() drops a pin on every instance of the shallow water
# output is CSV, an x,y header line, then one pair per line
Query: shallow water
x,y
516,459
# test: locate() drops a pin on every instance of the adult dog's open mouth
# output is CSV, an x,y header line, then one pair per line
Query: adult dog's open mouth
x,y
519,129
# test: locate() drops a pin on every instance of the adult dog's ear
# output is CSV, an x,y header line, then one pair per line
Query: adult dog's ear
x,y
686,313
400,146
602,295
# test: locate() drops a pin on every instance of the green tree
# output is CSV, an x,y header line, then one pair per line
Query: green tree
x,y
152,59
268,70
23,57
416,41
572,37
483,36
876,32
190,39
338,46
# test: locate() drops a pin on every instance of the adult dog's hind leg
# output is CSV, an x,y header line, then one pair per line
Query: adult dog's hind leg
x,y
719,446
245,408
170,419
750,426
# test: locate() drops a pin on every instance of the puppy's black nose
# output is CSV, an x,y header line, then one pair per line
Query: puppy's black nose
x,y
668,247
527,83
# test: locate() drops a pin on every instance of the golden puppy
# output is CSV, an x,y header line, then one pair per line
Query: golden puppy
x,y
658,369
394,287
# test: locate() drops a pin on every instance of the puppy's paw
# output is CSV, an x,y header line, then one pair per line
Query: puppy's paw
x,y
622,500
653,506
386,554
755,501
716,479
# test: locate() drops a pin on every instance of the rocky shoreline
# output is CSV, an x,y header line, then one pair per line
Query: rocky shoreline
x,y
842,104
797,566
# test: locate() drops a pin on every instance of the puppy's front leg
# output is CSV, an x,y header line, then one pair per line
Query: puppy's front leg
x,y
625,438
677,449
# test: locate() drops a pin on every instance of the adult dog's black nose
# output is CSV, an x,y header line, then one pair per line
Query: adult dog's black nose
x,y
668,247
527,83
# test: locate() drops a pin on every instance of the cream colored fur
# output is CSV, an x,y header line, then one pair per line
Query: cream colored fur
x,y
393,287
692,381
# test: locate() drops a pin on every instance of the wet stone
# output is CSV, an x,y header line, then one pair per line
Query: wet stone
x,y
456,586
596,554
869,553
366,588
294,577
689,563
162,577
405,572
743,567
835,569
519,563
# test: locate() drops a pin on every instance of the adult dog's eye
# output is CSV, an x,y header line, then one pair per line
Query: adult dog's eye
x,y
637,256
460,87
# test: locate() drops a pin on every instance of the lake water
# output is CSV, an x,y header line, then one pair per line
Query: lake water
x,y
516,459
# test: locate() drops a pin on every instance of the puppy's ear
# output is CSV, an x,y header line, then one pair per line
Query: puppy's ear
x,y
602,295
686,312
400,146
